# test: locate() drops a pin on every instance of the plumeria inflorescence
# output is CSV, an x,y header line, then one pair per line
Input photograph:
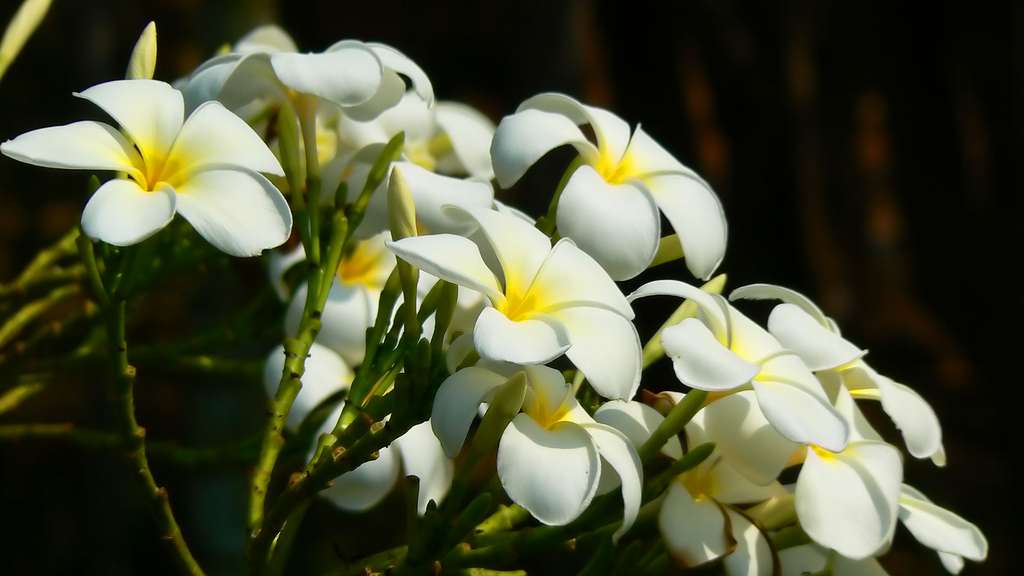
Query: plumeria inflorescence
x,y
430,331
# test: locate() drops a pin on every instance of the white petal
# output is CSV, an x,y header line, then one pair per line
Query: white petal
x,y
236,83
753,554
518,247
431,192
279,264
537,340
149,111
701,362
745,437
551,473
325,374
648,157
394,60
268,38
570,277
911,413
459,350
940,529
731,487
348,312
86,145
860,428
470,134
347,76
456,403
451,258
637,421
788,295
697,217
618,225
951,562
803,560
616,450
424,457
848,501
213,136
547,394
611,131
694,530
521,139
800,415
239,212
605,347
122,214
818,347
365,487
704,301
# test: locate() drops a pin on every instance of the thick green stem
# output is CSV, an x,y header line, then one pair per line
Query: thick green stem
x,y
133,436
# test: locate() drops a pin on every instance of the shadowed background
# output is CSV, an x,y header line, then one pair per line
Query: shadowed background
x,y
863,152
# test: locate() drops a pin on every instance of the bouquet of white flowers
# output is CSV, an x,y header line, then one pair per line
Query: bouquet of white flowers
x,y
485,361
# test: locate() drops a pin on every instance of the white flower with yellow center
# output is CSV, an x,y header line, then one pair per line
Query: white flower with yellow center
x,y
417,452
803,328
552,455
610,203
360,77
206,167
351,305
544,301
698,519
846,500
723,351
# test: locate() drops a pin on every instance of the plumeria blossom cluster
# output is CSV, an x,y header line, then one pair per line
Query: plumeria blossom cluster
x,y
437,339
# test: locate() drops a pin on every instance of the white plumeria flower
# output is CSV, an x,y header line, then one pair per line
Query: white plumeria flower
x,y
544,301
697,519
206,167
360,77
802,327
846,500
610,204
813,559
351,305
448,138
952,537
468,305
722,351
552,455
417,451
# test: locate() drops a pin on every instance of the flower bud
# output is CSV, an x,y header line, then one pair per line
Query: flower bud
x,y
142,63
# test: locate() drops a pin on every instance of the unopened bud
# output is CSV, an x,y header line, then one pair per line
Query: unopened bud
x,y
142,63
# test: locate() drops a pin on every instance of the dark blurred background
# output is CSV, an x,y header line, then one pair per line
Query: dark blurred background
x,y
864,152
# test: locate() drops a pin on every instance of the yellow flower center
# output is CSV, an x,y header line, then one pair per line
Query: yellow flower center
x,y
616,171
363,266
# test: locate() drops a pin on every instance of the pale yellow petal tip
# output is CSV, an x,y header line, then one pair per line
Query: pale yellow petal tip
x,y
142,63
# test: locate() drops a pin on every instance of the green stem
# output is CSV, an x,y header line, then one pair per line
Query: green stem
x,y
133,436
549,221
234,454
41,280
673,424
23,317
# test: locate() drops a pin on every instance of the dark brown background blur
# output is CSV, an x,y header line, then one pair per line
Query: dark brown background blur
x,y
864,152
